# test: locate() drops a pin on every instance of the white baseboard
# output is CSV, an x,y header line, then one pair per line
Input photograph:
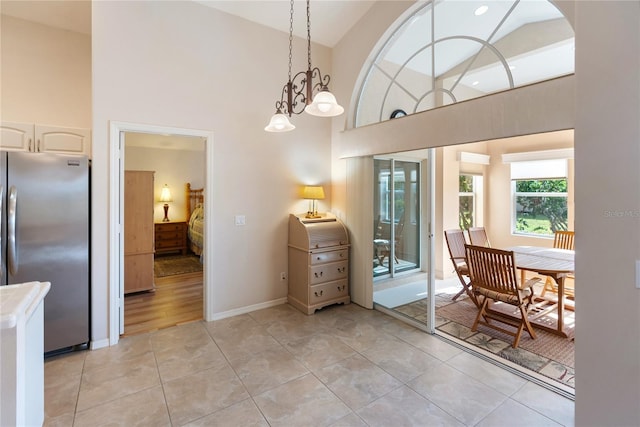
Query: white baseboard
x,y
249,309
94,345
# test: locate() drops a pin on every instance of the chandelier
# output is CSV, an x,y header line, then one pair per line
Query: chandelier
x,y
298,93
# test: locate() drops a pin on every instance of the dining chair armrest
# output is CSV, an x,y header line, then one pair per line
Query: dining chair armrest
x,y
529,283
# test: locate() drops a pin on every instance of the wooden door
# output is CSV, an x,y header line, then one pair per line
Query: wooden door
x,y
138,231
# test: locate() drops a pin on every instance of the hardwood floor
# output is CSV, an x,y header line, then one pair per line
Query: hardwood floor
x,y
176,300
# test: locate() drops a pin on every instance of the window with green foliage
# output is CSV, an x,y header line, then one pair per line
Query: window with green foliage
x,y
470,195
540,206
467,202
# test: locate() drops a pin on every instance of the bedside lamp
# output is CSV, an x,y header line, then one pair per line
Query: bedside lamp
x,y
313,194
165,196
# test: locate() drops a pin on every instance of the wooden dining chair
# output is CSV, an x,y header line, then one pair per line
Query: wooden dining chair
x,y
562,239
455,243
478,236
382,244
493,275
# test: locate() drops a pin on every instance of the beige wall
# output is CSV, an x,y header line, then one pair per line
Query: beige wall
x,y
46,74
608,246
172,167
183,65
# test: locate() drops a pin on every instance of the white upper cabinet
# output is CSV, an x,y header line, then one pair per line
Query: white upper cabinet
x,y
53,139
16,136
44,139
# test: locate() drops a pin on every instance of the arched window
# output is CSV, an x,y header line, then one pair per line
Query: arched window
x,y
447,51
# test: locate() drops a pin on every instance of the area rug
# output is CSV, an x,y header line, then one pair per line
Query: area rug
x,y
549,355
172,265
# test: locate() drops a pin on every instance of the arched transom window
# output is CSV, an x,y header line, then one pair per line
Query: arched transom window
x,y
448,51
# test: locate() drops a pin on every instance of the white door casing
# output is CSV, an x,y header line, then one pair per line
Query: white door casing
x,y
116,254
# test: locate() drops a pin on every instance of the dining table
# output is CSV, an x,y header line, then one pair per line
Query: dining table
x,y
557,264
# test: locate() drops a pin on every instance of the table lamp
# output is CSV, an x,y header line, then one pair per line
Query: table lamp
x,y
165,196
313,194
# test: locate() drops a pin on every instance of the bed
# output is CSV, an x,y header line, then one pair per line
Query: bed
x,y
195,216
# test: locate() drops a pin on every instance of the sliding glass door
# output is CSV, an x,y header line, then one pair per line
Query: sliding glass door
x,y
396,227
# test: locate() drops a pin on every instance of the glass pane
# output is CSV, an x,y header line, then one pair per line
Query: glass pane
x,y
407,224
526,13
396,217
478,76
550,39
416,77
370,103
466,184
467,199
397,97
455,17
411,37
541,186
540,215
382,217
466,212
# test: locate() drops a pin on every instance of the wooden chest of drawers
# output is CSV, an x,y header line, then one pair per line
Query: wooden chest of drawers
x,y
171,237
318,263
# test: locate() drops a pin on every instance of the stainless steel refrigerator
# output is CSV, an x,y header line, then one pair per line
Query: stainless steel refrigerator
x,y
45,237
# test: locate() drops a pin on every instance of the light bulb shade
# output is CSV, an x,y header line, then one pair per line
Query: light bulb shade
x,y
324,105
311,192
279,123
165,195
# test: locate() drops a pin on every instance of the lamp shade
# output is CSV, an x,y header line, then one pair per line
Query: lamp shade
x,y
165,195
324,105
315,193
279,123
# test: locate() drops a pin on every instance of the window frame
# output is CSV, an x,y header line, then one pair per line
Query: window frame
x,y
514,204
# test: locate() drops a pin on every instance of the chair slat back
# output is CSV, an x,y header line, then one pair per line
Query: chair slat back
x,y
455,242
492,269
563,239
478,237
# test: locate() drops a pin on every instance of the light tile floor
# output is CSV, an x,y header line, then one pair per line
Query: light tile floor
x,y
343,366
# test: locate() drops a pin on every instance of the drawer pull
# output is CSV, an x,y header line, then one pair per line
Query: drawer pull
x,y
318,295
318,275
341,288
341,255
318,258
342,269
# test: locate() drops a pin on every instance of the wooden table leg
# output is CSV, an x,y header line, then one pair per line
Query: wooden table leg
x,y
559,278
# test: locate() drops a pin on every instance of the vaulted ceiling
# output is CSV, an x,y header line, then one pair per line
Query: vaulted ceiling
x,y
330,19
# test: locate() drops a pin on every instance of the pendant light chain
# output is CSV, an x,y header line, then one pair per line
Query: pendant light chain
x,y
290,37
309,35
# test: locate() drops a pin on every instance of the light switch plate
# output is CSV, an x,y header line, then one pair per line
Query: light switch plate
x,y
240,220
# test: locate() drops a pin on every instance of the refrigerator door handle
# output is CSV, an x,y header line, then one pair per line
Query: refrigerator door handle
x,y
12,255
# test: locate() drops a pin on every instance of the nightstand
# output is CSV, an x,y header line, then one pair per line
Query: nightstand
x,y
171,237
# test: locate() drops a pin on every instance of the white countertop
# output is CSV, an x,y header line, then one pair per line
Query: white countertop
x,y
20,300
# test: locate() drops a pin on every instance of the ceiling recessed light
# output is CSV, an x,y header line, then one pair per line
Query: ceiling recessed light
x,y
481,10
475,83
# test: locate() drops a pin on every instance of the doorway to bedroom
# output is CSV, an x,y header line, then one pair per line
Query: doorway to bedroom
x,y
163,218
